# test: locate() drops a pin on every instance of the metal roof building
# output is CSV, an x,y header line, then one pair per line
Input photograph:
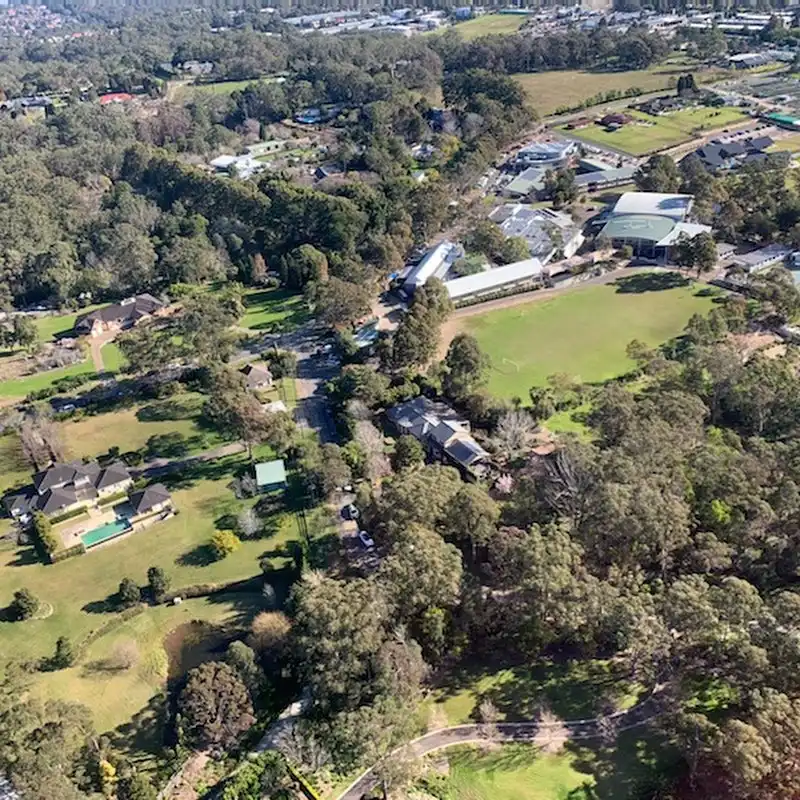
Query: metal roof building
x,y
434,264
493,279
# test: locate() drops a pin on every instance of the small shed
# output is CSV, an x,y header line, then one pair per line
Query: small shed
x,y
271,475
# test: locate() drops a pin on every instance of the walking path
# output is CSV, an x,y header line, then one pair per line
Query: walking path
x,y
505,732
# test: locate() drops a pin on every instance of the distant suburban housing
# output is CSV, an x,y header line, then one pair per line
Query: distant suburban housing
x,y
271,475
651,223
719,155
257,376
64,487
445,435
243,166
119,316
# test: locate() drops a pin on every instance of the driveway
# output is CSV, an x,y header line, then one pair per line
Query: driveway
x,y
504,732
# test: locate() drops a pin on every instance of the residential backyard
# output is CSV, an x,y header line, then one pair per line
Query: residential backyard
x,y
648,133
582,332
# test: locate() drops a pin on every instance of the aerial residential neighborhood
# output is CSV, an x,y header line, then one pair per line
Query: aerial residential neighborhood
x,y
399,402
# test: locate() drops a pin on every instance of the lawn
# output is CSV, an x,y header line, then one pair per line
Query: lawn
x,y
51,327
549,91
789,144
130,697
582,332
130,428
79,588
487,24
648,134
223,87
570,689
20,387
113,360
273,310
15,471
514,772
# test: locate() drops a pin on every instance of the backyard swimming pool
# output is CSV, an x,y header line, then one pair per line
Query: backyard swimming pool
x,y
105,532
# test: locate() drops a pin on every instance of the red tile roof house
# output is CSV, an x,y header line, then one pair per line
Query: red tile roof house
x,y
118,316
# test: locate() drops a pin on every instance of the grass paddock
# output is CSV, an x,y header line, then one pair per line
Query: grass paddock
x,y
582,332
488,24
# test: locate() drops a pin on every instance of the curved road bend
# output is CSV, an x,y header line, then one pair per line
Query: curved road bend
x,y
507,732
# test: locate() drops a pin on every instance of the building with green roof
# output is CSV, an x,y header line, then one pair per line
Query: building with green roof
x,y
271,475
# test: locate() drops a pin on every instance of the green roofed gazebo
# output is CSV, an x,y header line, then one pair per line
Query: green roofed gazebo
x,y
271,475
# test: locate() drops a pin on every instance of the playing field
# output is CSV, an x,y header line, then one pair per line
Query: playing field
x,y
581,332
648,134
550,91
489,24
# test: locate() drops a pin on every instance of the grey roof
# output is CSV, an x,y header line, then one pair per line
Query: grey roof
x,y
145,499
646,227
465,451
729,149
256,374
444,431
113,474
760,143
413,414
20,502
132,309
61,474
527,181
606,176
54,500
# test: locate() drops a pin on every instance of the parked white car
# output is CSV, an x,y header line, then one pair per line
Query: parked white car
x,y
366,540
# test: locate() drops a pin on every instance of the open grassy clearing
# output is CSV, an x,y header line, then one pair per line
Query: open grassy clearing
x,y
570,689
269,310
113,360
549,91
648,133
14,470
514,772
130,428
20,387
582,332
789,144
130,697
488,24
79,588
223,87
51,327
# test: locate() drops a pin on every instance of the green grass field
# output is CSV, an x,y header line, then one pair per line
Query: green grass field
x,y
515,772
130,428
273,310
20,387
113,360
571,689
581,332
79,588
488,24
549,91
14,471
658,133
122,697
223,87
52,326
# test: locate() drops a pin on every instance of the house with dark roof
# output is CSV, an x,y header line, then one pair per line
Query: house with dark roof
x,y
65,487
257,376
118,316
150,500
445,435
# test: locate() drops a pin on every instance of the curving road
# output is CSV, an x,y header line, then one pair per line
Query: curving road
x,y
502,732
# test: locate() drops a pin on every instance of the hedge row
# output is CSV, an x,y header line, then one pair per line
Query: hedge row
x,y
206,589
308,790
76,512
69,552
112,498
108,626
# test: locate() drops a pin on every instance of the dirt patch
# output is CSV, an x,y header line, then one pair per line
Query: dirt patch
x,y
764,342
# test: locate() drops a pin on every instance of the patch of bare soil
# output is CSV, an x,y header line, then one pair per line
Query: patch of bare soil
x,y
768,344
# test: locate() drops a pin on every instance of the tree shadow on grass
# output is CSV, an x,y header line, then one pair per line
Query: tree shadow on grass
x,y
643,282
639,763
200,556
143,738
25,557
106,606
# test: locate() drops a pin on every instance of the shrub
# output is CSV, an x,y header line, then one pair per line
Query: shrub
x,y
69,552
128,593
223,543
75,512
24,605
125,655
64,656
269,633
158,583
46,541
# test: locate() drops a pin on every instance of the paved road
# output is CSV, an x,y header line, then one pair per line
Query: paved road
x,y
162,466
504,732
